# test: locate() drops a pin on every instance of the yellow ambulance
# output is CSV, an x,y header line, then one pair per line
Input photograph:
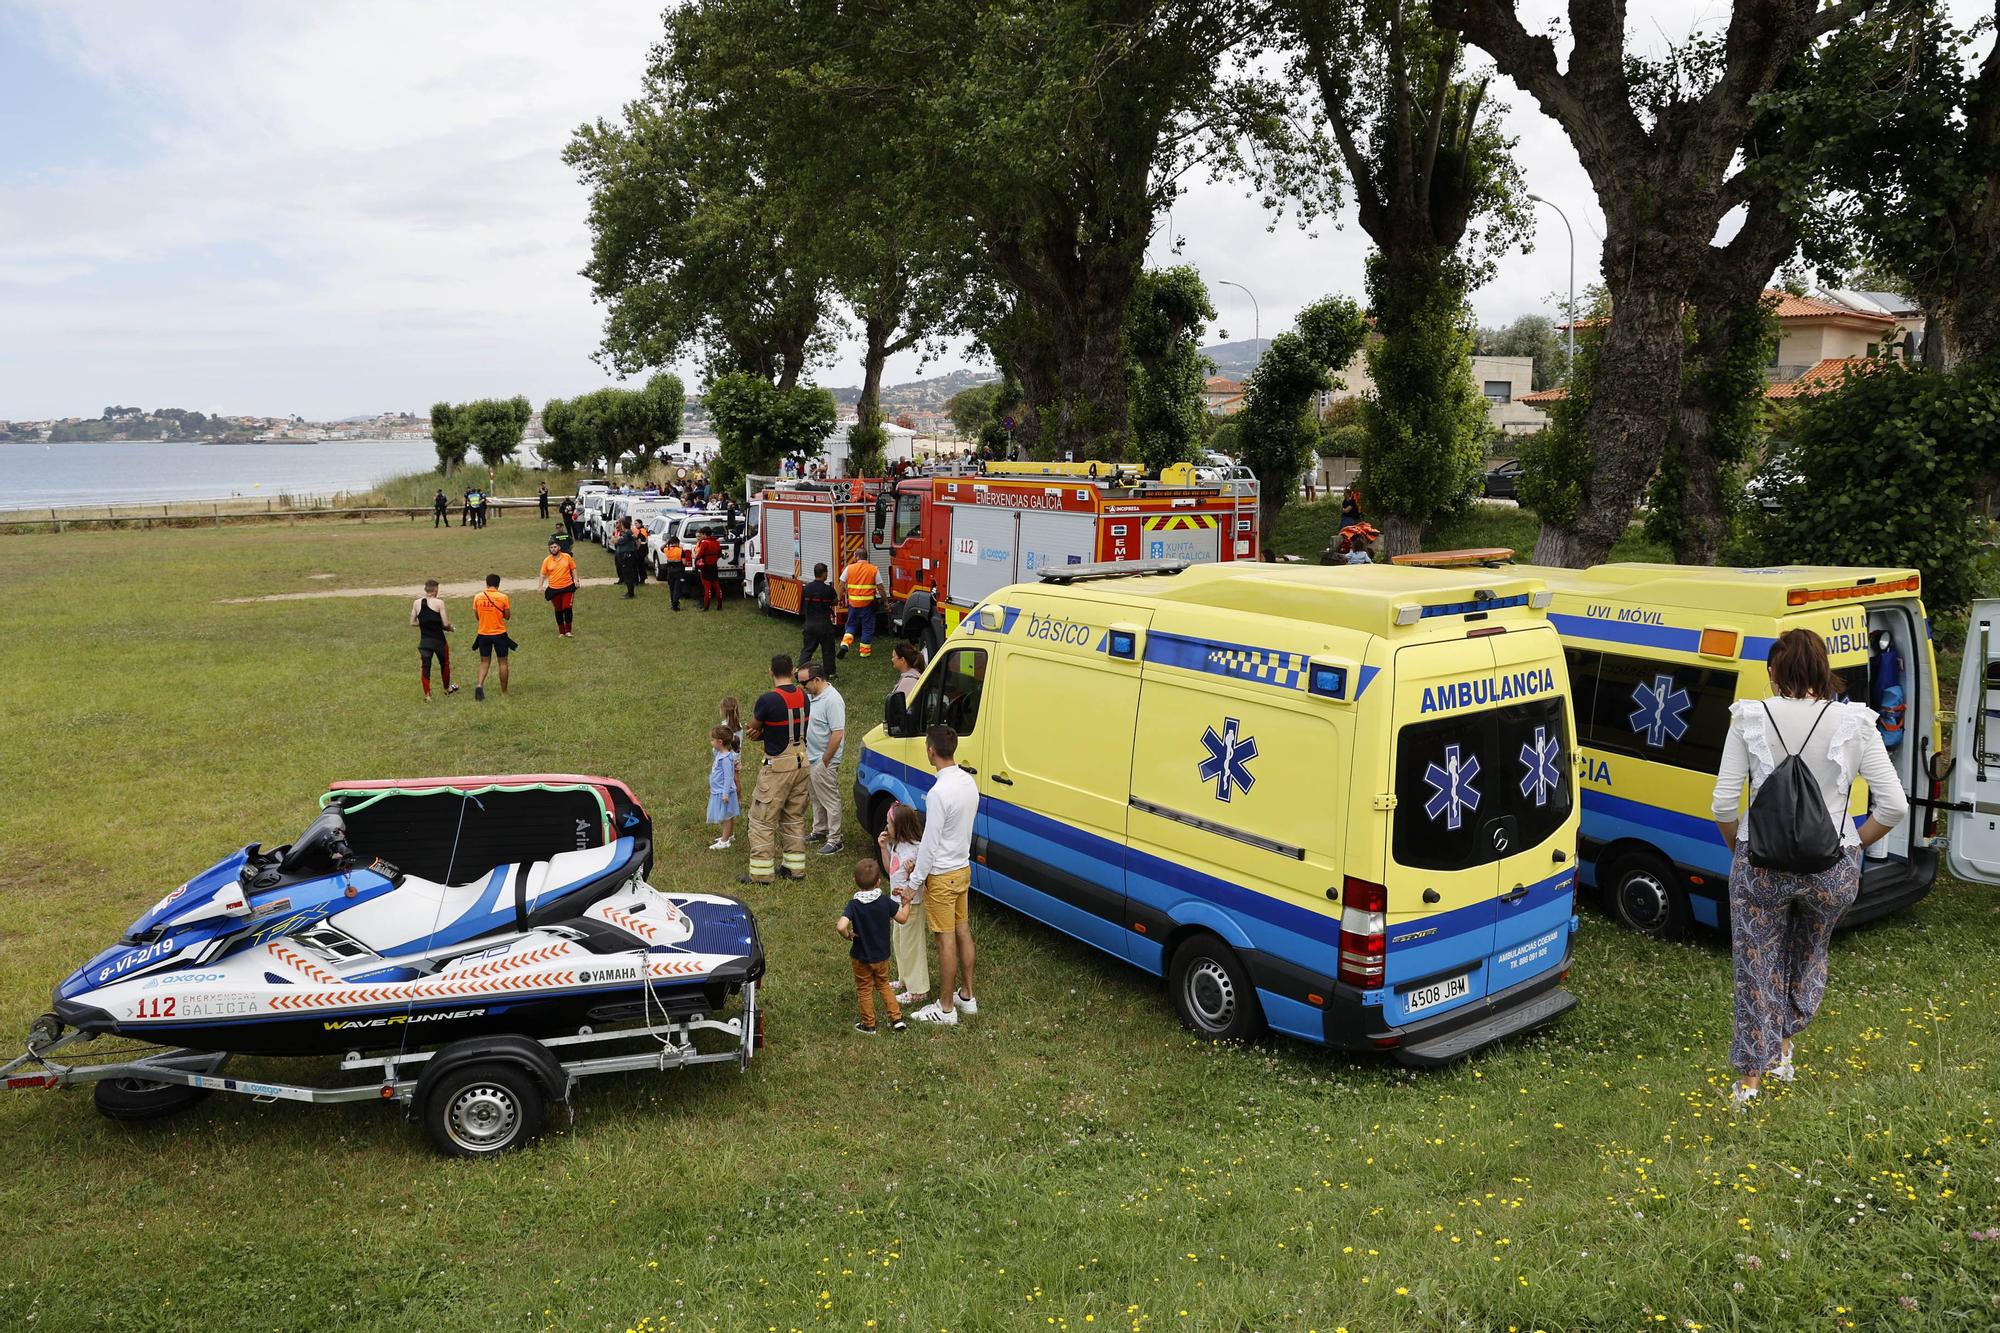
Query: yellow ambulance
x,y
1336,801
1657,653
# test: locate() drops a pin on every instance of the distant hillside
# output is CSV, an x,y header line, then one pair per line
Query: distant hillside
x,y
1236,360
919,395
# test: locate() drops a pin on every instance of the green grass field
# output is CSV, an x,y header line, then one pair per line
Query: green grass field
x,y
1068,1160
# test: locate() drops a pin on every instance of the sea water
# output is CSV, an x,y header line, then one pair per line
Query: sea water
x,y
116,472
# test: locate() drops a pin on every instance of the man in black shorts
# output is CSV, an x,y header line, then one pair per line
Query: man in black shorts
x,y
493,609
433,622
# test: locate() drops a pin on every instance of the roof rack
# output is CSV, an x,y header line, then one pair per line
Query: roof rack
x,y
1111,569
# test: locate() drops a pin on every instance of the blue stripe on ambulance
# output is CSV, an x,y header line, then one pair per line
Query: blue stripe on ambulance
x,y
1686,840
1246,918
1756,648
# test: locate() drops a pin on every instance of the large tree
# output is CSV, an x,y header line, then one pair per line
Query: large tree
x,y
1166,372
700,243
1278,426
1660,139
1436,189
1058,130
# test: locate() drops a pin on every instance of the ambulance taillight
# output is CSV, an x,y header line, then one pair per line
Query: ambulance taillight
x,y
1363,933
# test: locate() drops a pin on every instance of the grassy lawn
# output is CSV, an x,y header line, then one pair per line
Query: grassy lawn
x,y
1067,1160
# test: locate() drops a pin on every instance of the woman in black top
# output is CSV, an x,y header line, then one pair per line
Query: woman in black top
x,y
433,622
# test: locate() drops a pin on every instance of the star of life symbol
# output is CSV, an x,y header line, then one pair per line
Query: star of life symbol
x,y
1228,762
1452,792
1661,710
1540,775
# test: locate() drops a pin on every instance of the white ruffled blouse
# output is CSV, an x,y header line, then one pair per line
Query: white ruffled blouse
x,y
1845,744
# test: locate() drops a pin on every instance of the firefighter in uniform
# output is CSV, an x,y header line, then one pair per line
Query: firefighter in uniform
x,y
857,592
673,556
784,783
816,602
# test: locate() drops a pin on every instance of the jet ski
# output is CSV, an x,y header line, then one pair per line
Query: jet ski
x,y
414,913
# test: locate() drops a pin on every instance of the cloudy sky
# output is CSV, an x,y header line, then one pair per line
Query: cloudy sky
x,y
353,205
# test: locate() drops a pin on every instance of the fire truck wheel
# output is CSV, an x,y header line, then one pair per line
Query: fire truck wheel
x,y
929,639
764,597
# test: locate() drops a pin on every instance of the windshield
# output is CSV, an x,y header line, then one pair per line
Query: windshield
x,y
1477,787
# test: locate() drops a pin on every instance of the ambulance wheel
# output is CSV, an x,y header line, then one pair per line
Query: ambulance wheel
x,y
483,1110
1210,991
142,1098
1642,893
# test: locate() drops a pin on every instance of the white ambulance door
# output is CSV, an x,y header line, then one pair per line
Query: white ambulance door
x,y
1051,540
981,551
1974,846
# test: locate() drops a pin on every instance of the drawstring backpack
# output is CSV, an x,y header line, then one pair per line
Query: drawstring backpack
x,y
1789,830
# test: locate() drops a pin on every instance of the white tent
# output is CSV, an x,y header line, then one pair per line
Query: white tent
x,y
900,444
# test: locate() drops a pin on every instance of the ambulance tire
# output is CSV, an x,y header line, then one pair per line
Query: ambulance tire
x,y
1643,894
1211,991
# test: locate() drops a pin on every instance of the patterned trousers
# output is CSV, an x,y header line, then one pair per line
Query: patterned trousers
x,y
1780,926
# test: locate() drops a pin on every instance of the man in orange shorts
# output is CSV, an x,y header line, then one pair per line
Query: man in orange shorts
x,y
944,868
493,608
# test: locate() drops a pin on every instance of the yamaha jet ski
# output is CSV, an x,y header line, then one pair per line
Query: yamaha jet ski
x,y
417,913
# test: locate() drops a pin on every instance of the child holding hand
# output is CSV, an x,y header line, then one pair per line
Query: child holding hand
x,y
725,802
901,833
866,923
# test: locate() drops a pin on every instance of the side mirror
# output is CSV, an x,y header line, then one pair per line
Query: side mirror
x,y
895,713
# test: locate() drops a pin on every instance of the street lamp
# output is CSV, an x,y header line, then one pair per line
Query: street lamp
x,y
1256,316
1570,323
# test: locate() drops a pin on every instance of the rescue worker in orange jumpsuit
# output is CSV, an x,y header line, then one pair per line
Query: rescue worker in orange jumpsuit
x,y
857,594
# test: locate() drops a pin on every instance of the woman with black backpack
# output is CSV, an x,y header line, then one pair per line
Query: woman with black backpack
x,y
1797,862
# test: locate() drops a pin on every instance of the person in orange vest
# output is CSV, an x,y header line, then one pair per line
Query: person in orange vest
x,y
708,564
857,594
673,559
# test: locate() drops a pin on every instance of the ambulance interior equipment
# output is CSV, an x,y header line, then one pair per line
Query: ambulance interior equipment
x,y
1337,801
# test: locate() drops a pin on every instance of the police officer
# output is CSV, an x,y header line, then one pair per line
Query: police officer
x,y
625,554
784,785
857,589
440,510
816,602
673,556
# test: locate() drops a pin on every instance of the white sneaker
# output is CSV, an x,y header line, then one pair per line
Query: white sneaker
x,y
964,1004
1783,1071
720,844
930,1013
1741,1096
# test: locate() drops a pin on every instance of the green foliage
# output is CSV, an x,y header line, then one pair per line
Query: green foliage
x,y
1530,335
1347,441
611,424
867,449
1555,461
1426,420
1278,428
1165,371
973,410
130,423
1885,471
1724,385
448,437
759,425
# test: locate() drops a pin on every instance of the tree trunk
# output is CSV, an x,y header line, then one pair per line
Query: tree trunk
x,y
1631,410
1400,536
1704,521
868,408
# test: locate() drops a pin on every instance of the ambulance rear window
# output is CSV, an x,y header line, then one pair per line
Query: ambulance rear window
x,y
1476,787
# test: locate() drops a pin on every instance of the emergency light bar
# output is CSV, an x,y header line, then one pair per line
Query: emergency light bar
x,y
1865,588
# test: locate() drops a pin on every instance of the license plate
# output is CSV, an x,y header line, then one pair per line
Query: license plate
x,y
1428,997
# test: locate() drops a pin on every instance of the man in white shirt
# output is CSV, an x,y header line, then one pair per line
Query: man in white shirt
x,y
944,868
826,736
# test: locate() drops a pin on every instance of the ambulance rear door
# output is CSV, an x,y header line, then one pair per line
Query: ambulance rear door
x,y
1450,831
1974,846
1537,754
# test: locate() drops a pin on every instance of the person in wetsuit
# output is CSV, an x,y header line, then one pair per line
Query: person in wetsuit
x,y
433,622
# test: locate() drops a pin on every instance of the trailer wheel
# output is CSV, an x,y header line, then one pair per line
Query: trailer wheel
x,y
1210,991
142,1098
1642,893
482,1110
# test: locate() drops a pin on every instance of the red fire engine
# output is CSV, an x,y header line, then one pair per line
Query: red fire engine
x,y
947,541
